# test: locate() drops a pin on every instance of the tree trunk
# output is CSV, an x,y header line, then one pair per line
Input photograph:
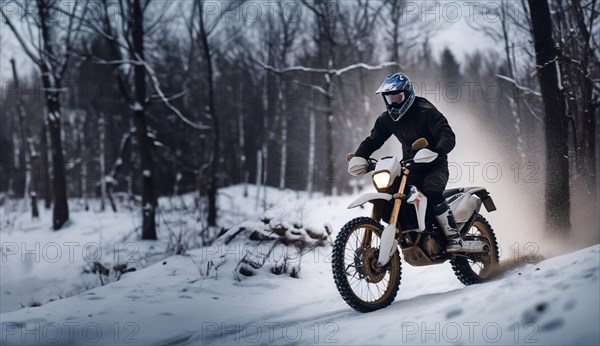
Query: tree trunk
x,y
60,213
555,121
102,160
259,168
83,173
45,168
330,164
12,182
29,153
213,180
34,178
52,87
242,149
35,213
284,140
588,105
514,102
149,202
311,152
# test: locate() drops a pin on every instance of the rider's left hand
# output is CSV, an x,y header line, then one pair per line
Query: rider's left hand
x,y
357,166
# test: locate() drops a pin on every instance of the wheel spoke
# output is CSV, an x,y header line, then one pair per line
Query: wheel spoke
x,y
479,264
369,284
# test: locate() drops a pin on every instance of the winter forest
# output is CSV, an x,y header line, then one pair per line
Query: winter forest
x,y
165,131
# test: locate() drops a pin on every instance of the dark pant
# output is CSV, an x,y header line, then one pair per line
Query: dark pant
x,y
431,179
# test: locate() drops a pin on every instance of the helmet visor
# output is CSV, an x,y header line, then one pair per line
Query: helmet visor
x,y
394,99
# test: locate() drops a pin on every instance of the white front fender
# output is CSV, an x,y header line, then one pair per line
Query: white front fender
x,y
369,197
388,245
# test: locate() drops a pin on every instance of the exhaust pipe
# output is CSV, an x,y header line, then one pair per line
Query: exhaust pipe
x,y
474,246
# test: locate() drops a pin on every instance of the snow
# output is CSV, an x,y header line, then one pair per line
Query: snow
x,y
328,71
556,304
558,75
53,116
109,180
37,275
165,100
197,299
136,107
147,173
520,87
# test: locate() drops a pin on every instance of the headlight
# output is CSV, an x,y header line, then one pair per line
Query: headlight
x,y
381,179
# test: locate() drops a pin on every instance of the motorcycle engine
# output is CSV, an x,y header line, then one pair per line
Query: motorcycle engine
x,y
431,246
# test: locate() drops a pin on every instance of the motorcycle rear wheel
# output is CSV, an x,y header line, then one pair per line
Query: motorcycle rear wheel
x,y
362,284
475,269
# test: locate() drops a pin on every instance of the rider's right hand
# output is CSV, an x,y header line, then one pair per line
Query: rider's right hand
x,y
357,166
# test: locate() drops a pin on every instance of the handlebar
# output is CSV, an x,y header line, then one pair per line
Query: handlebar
x,y
371,163
418,144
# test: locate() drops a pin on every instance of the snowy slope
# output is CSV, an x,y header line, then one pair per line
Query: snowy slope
x,y
552,302
38,264
170,302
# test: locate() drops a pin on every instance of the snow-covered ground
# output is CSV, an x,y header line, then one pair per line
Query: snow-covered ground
x,y
174,301
38,265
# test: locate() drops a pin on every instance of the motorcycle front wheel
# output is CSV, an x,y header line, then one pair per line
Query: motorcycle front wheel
x,y
363,284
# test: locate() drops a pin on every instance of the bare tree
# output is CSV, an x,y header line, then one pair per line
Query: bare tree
x,y
404,31
127,50
30,153
501,31
576,29
555,121
329,93
288,36
204,31
52,56
149,198
326,26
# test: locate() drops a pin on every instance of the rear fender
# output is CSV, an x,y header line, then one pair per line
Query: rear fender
x,y
485,197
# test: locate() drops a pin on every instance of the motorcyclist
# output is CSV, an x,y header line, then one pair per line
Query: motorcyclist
x,y
410,117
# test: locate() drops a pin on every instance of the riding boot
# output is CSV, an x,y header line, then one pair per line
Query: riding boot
x,y
446,220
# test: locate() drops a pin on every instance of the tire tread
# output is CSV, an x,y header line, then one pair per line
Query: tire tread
x,y
339,272
461,266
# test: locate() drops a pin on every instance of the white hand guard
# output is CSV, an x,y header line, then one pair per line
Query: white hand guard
x,y
357,166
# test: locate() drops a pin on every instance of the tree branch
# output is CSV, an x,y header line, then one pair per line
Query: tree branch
x,y
335,72
37,60
165,100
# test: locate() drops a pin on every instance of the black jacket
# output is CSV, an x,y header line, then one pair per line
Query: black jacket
x,y
421,120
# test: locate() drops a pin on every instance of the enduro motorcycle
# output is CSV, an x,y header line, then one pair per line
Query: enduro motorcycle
x,y
366,261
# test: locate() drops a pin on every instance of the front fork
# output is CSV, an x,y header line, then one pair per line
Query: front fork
x,y
388,237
